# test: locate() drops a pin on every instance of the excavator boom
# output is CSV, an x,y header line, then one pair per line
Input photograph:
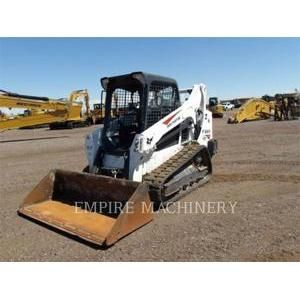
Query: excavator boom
x,y
252,110
42,110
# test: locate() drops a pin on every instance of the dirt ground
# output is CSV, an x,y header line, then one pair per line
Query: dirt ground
x,y
256,177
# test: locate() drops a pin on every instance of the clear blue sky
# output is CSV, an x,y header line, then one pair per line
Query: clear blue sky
x,y
230,67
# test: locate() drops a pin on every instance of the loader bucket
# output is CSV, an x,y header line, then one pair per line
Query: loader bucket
x,y
98,209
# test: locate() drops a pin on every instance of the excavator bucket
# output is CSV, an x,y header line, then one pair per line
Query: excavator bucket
x,y
98,209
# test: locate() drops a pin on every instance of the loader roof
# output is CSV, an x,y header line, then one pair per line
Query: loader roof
x,y
142,77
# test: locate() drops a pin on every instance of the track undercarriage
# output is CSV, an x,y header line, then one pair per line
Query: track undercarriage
x,y
186,170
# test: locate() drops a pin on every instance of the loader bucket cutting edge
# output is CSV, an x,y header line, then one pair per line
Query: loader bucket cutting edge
x,y
98,209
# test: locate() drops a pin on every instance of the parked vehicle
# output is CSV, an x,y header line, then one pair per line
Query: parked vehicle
x,y
228,106
151,147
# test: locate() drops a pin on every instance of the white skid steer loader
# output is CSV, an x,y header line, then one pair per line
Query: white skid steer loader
x,y
151,149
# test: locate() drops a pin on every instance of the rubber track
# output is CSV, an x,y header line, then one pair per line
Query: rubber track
x,y
160,175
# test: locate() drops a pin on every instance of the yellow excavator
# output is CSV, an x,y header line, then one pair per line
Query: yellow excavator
x,y
58,113
252,110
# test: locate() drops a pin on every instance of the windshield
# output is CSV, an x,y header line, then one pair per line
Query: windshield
x,y
123,120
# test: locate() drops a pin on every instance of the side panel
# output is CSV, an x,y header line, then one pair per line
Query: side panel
x,y
206,133
140,165
92,144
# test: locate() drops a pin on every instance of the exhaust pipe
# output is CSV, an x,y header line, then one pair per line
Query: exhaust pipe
x,y
98,209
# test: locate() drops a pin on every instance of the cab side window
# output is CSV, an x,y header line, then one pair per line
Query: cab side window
x,y
162,100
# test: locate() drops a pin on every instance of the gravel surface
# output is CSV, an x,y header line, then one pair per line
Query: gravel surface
x,y
250,210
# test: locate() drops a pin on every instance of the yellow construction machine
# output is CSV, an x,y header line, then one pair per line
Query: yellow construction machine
x,y
75,117
151,149
58,113
98,112
252,110
216,107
